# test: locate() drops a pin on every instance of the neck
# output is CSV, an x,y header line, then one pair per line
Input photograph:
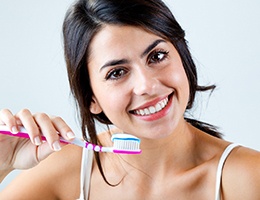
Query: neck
x,y
174,152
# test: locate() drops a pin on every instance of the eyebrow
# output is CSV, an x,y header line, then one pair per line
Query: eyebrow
x,y
125,61
114,63
151,46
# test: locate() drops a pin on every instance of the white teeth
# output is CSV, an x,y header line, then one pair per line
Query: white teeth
x,y
152,109
146,111
158,107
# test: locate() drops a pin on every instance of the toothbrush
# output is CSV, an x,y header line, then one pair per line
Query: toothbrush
x,y
122,143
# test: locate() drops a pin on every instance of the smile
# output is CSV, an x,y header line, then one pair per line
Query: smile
x,y
152,109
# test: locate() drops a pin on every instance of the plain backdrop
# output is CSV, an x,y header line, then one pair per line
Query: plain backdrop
x,y
223,37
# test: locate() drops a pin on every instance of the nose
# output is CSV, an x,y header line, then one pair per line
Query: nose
x,y
145,82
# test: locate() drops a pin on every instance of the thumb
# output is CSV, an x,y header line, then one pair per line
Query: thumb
x,y
44,150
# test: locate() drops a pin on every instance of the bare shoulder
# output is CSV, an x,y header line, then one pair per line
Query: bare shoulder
x,y
57,177
241,175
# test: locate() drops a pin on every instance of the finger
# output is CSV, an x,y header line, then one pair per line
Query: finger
x,y
7,118
27,120
62,127
18,121
43,151
48,130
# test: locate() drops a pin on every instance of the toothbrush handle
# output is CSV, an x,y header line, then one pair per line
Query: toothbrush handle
x,y
20,134
107,149
23,134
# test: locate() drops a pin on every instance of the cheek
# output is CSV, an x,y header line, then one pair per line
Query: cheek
x,y
110,100
180,82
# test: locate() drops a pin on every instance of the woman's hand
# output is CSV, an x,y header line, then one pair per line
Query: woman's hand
x,y
22,153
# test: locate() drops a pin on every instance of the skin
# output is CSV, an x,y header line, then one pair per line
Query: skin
x,y
177,161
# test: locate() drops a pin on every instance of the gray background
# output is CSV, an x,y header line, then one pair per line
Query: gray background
x,y
223,37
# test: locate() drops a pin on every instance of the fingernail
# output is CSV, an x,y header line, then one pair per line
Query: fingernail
x,y
70,135
18,121
14,130
56,146
37,141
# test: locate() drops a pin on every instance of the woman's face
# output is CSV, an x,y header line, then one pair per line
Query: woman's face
x,y
138,81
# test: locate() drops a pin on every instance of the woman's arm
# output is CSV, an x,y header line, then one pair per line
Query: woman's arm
x,y
57,177
241,175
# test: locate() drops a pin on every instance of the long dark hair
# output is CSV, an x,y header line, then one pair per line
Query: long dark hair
x,y
86,17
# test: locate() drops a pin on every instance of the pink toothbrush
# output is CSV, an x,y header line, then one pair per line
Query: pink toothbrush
x,y
122,143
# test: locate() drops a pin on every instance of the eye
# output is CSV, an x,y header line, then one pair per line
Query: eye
x,y
116,74
158,56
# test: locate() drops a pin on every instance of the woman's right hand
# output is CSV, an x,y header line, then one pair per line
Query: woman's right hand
x,y
23,153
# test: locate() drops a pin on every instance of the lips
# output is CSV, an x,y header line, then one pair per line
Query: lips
x,y
152,109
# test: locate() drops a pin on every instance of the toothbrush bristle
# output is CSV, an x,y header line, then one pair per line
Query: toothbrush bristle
x,y
127,144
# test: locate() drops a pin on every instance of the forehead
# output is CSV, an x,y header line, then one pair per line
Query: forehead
x,y
112,33
119,41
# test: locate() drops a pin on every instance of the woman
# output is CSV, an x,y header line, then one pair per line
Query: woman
x,y
128,65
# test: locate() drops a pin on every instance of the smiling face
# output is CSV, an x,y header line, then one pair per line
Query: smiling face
x,y
138,81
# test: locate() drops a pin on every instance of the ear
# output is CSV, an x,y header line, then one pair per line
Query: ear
x,y
95,107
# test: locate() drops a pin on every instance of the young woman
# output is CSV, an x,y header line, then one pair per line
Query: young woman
x,y
128,65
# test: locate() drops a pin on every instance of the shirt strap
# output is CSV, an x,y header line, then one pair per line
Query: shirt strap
x,y
221,163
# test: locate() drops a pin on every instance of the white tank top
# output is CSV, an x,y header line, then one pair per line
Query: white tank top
x,y
86,167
